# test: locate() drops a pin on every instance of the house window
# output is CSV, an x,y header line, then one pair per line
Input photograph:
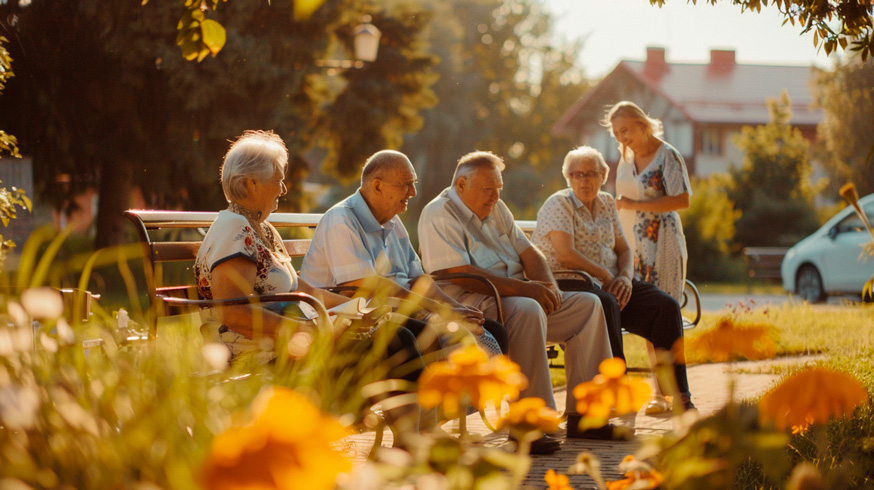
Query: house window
x,y
711,142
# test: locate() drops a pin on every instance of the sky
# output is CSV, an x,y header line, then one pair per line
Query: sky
x,y
614,30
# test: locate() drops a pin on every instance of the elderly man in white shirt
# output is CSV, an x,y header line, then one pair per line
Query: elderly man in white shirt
x,y
467,228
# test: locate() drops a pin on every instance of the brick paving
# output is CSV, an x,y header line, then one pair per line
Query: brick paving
x,y
708,383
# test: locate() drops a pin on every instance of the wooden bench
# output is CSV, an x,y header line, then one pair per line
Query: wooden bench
x,y
764,262
175,236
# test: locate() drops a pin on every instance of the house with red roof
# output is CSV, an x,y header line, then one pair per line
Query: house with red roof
x,y
701,105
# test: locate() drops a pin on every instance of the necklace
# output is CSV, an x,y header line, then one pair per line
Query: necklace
x,y
263,230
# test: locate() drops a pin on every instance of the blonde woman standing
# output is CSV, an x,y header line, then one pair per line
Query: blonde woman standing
x,y
652,184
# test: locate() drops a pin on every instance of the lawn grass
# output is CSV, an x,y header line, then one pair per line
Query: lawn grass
x,y
837,331
842,336
753,287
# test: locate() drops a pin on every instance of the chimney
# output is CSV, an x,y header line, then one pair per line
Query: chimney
x,y
655,65
722,57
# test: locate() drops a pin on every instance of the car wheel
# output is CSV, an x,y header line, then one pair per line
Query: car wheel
x,y
808,284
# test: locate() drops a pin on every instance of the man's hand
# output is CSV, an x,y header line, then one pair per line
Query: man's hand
x,y
545,293
620,287
471,313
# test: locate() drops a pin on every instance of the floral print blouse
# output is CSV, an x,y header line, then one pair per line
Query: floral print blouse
x,y
594,233
230,236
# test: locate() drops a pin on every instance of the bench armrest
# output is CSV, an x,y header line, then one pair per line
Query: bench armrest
x,y
322,314
580,275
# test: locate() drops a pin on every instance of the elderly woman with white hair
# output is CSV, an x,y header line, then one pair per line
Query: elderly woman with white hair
x,y
243,255
579,228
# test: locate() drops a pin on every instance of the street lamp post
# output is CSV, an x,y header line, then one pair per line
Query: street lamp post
x,y
366,46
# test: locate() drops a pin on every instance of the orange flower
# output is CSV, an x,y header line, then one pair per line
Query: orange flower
x,y
802,429
469,376
286,444
557,481
812,395
730,341
530,414
610,391
642,480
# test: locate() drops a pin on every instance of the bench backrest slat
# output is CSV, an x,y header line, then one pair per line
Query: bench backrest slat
x,y
157,251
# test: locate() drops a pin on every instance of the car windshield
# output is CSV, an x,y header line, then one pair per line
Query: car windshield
x,y
853,223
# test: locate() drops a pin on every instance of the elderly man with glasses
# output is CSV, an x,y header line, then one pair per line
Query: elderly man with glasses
x,y
361,242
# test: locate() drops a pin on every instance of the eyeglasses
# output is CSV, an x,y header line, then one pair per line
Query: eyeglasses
x,y
591,175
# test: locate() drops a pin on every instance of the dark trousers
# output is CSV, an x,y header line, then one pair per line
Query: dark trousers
x,y
650,313
405,342
403,352
499,332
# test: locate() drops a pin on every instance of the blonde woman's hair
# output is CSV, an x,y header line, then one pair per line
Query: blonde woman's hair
x,y
256,154
631,110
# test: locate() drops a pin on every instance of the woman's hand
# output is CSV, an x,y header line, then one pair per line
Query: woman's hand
x,y
623,202
620,287
603,275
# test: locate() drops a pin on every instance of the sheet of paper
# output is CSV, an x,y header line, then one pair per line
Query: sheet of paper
x,y
354,308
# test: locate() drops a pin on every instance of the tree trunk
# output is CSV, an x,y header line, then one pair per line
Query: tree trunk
x,y
115,189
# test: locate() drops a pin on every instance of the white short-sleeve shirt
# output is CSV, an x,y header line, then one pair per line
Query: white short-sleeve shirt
x,y
451,235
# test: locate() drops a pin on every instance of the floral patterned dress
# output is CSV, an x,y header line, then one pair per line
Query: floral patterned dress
x,y
657,238
231,236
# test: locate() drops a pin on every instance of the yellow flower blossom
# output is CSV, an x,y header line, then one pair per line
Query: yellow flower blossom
x,y
469,376
557,481
638,476
609,393
730,341
848,192
530,414
286,444
812,395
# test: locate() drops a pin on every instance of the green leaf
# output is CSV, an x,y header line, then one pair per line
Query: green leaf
x,y
303,9
214,35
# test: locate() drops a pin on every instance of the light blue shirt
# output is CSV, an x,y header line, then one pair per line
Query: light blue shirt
x,y
350,244
452,236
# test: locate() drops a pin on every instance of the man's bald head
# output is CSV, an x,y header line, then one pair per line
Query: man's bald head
x,y
382,163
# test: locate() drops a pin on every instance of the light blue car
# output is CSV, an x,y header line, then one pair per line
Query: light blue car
x,y
830,261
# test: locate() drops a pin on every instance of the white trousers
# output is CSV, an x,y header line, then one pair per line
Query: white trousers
x,y
579,325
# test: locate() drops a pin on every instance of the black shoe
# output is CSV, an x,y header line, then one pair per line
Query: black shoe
x,y
545,445
607,432
686,403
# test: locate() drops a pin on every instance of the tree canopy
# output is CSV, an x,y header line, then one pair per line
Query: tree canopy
x,y
773,188
847,131
504,81
834,23
105,98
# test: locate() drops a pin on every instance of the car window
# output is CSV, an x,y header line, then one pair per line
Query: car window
x,y
853,223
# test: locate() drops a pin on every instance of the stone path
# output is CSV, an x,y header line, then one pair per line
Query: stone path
x,y
708,383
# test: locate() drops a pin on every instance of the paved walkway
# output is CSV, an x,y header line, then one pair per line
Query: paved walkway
x,y
709,386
